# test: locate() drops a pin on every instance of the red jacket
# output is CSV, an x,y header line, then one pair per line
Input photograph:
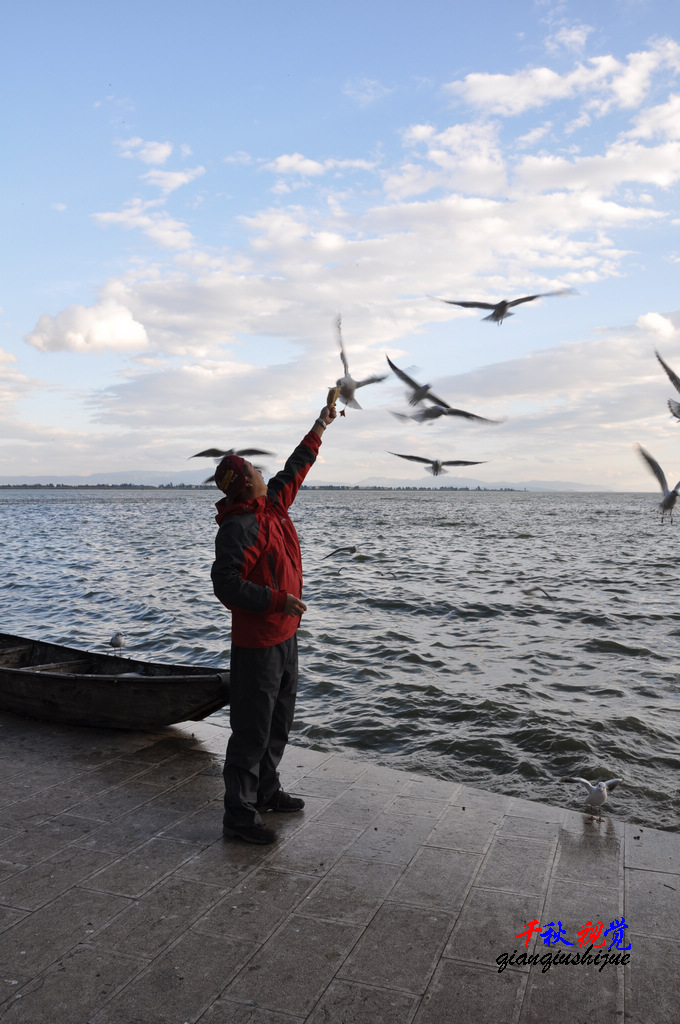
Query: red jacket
x,y
257,555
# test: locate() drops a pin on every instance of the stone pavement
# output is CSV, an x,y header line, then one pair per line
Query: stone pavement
x,y
388,901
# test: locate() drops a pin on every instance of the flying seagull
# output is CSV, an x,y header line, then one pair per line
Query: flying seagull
x,y
597,793
500,310
341,551
422,392
217,453
436,466
667,503
347,384
675,381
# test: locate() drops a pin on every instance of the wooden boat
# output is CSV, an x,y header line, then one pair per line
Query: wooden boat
x,y
60,684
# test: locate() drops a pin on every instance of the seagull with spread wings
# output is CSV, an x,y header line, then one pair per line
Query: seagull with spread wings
x,y
675,381
346,383
598,793
422,393
218,454
436,466
667,503
501,310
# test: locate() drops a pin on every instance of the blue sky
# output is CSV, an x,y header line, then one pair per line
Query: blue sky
x,y
192,194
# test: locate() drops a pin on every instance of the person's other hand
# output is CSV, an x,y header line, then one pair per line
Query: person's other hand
x,y
294,606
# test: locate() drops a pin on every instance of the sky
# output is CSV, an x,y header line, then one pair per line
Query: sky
x,y
193,193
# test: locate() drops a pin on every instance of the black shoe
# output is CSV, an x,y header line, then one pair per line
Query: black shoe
x,y
250,833
281,801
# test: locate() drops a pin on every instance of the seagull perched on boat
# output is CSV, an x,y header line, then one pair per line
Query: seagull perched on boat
x,y
675,381
421,393
501,310
117,641
436,466
347,384
598,793
667,503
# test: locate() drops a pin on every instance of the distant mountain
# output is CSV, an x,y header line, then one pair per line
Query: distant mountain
x,y
150,478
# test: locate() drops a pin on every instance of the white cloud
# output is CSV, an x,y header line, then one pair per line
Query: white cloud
x,y
604,82
365,91
106,326
147,152
168,181
572,37
656,323
159,226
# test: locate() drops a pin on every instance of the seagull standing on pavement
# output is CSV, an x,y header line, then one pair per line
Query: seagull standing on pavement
x,y
422,393
667,503
436,466
501,310
598,793
347,384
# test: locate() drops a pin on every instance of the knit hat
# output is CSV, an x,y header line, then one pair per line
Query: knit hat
x,y
230,476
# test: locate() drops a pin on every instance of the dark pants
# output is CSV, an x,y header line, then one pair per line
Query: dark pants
x,y
263,686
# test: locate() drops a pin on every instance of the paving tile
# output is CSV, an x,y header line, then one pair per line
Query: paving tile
x,y
377,777
39,808
516,807
472,995
529,828
437,878
31,845
399,949
179,985
225,1011
488,925
352,891
571,992
36,941
652,981
595,858
433,789
472,798
159,917
225,863
130,830
392,839
355,807
116,802
575,903
254,908
10,916
654,850
36,885
416,803
343,1003
134,873
201,827
466,828
307,953
314,849
518,865
653,903
72,990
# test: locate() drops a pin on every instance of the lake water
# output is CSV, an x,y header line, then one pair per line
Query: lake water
x,y
503,639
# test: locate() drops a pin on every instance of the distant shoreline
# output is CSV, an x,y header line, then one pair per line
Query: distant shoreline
x,y
210,487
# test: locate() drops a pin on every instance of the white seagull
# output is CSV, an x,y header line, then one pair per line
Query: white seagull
x,y
501,310
117,641
667,503
675,381
347,384
598,793
422,392
436,466
218,454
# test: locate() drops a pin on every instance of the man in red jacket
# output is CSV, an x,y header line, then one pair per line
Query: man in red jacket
x,y
257,575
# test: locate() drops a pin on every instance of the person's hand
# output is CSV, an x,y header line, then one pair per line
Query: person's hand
x,y
328,414
294,606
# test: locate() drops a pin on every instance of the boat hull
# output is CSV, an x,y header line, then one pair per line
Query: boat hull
x,y
60,684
